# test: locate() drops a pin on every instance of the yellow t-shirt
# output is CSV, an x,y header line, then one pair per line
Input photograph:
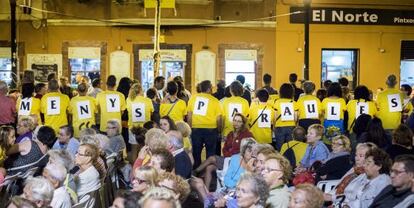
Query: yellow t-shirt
x,y
407,106
3,156
299,149
205,109
309,107
333,108
83,110
390,105
285,112
177,112
358,107
273,98
262,128
54,106
110,105
232,105
187,143
29,106
139,110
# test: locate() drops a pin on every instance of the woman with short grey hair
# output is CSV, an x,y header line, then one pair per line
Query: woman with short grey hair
x,y
38,190
252,191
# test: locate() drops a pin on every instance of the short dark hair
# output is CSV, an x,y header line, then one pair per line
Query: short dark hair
x,y
381,158
286,91
172,87
403,135
407,88
47,136
407,160
241,79
362,92
159,79
53,85
148,125
151,93
236,88
167,159
39,87
267,78
82,88
263,95
299,134
130,198
335,90
96,82
327,83
293,78
205,85
68,129
111,81
27,90
343,81
139,134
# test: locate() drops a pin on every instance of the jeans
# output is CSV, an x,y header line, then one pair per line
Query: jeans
x,y
282,135
201,138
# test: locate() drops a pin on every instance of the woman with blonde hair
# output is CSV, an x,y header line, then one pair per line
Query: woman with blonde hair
x,y
139,107
145,178
185,130
306,195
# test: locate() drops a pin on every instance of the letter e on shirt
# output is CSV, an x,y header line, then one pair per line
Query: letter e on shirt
x,y
25,107
200,106
113,103
394,103
265,119
138,112
287,112
333,111
233,109
311,109
53,106
361,108
84,109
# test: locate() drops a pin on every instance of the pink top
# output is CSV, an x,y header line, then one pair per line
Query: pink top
x,y
8,110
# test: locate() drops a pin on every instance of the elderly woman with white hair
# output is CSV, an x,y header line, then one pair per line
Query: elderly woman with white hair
x,y
56,174
38,190
98,141
87,179
116,141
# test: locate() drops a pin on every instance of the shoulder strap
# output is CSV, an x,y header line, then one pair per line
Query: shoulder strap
x,y
175,102
261,113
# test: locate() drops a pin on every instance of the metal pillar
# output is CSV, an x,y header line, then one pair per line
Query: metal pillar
x,y
157,28
306,34
13,42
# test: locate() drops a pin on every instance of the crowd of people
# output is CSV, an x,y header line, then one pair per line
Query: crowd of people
x,y
228,148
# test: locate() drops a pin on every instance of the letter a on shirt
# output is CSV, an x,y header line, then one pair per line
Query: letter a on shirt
x,y
311,109
233,109
113,103
333,111
84,109
394,103
265,119
200,106
138,112
53,106
25,107
361,108
286,112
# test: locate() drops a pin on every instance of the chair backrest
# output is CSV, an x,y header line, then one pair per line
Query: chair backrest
x,y
327,186
89,200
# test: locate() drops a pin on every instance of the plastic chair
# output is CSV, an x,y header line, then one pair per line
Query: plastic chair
x,y
221,173
328,185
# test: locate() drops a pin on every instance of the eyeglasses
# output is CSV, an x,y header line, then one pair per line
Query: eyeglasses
x,y
83,155
138,181
337,143
271,169
110,127
397,172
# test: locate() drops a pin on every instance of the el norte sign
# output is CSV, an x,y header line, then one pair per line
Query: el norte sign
x,y
348,16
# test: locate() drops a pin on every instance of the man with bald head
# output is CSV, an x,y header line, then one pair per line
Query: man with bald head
x,y
183,165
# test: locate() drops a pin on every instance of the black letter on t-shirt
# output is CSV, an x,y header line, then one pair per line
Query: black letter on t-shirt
x,y
264,118
112,102
394,102
84,109
311,110
333,112
138,112
287,111
25,106
361,109
200,104
53,104
234,112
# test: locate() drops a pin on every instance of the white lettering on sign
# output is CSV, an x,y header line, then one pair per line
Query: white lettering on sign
x,y
84,109
138,112
287,112
311,109
234,108
265,120
200,106
340,16
333,111
113,103
53,106
318,15
361,108
394,103
25,107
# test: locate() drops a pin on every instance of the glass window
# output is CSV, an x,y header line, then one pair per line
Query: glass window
x,y
337,63
239,67
80,67
407,72
5,70
168,69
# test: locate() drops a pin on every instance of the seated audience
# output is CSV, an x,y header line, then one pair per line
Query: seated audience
x,y
159,197
30,153
176,184
39,191
154,139
185,130
306,196
162,160
137,141
20,202
251,191
263,152
402,141
402,176
24,129
167,124
297,144
144,178
363,189
338,161
56,175
316,150
87,179
126,199
409,200
66,140
97,141
182,161
116,141
276,173
7,138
